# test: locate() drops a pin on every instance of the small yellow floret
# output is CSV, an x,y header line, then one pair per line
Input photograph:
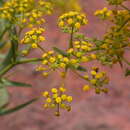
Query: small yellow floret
x,y
69,98
58,100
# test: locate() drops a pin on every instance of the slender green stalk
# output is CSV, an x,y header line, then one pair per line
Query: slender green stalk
x,y
10,66
29,60
79,74
123,24
123,6
41,48
6,69
71,38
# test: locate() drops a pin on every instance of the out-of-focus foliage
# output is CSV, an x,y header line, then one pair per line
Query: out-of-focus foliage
x,y
66,5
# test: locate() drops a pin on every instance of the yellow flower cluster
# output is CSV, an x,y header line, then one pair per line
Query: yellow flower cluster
x,y
71,20
81,51
25,12
57,99
97,80
52,61
104,13
116,39
120,16
33,37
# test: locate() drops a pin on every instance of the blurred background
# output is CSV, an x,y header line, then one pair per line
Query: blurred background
x,y
89,111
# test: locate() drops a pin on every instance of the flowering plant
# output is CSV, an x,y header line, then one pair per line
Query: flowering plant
x,y
16,16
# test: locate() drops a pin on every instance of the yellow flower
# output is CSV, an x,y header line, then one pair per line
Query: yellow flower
x,y
54,90
76,42
44,62
86,77
84,59
41,38
48,100
63,97
70,21
65,59
55,95
99,75
93,81
59,56
24,20
73,61
62,65
93,56
61,24
63,106
34,37
69,98
24,52
77,25
93,72
45,105
62,89
109,13
45,94
78,54
58,100
86,88
70,50
79,17
34,45
45,74
52,59
50,52
44,55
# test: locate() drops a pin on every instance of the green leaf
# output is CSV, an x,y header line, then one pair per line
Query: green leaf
x,y
11,56
17,108
79,68
4,96
7,82
60,51
127,73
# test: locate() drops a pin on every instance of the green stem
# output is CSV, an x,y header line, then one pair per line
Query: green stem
x,y
79,75
6,69
41,48
5,30
10,66
125,7
71,38
29,60
127,20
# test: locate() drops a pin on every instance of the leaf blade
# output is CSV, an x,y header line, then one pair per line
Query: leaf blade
x,y
17,108
15,83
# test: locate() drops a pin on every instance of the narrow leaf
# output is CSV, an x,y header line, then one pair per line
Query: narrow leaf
x,y
79,68
4,96
14,83
127,73
17,108
60,51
